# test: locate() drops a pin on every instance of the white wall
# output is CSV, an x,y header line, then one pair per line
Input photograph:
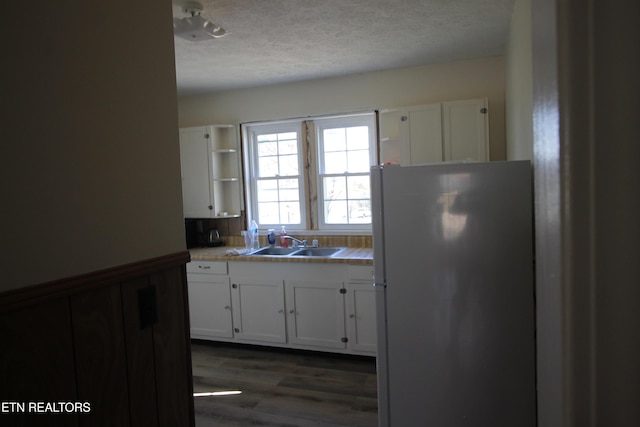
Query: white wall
x,y
90,173
519,84
401,87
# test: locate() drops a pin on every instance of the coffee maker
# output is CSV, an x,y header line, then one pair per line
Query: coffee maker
x,y
199,233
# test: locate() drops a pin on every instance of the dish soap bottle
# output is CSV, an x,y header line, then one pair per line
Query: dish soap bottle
x,y
283,242
271,236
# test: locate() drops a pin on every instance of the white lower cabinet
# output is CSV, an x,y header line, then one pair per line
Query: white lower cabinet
x,y
361,309
361,317
258,310
315,313
209,300
311,306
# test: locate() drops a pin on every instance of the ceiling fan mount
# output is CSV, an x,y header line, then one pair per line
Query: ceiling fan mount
x,y
192,8
195,27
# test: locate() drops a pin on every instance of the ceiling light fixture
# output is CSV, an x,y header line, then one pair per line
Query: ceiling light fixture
x,y
194,27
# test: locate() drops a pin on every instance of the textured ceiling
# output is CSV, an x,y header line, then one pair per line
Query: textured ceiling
x,y
276,41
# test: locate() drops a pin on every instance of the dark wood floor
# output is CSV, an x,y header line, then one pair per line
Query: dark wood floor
x,y
282,388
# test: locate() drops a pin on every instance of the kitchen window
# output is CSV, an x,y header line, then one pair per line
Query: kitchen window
x,y
275,174
311,174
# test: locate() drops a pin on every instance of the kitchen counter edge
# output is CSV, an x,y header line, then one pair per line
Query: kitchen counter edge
x,y
362,256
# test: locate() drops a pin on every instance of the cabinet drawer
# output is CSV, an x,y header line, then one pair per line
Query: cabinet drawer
x,y
207,267
362,273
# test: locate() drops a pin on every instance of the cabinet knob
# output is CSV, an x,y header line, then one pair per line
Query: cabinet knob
x,y
292,311
226,307
280,311
210,207
351,316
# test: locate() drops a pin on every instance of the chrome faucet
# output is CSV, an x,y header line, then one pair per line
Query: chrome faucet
x,y
297,242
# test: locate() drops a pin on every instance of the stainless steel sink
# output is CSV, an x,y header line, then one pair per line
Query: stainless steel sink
x,y
274,250
301,252
325,252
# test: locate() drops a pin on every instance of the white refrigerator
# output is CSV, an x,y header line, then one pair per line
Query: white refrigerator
x,y
453,266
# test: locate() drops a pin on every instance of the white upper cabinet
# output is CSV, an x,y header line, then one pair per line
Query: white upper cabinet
x,y
421,132
195,165
211,179
465,126
432,133
389,134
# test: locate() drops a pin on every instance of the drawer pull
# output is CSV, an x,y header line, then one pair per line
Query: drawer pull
x,y
206,267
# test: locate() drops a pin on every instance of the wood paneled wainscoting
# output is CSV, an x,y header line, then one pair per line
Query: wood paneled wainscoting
x,y
108,348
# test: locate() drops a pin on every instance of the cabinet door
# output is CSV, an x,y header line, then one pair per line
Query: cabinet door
x,y
421,133
361,317
315,314
390,147
196,173
466,130
209,306
258,310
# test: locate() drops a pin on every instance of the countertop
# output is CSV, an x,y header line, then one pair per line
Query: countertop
x,y
363,256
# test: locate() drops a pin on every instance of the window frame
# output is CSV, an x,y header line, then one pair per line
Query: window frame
x,y
251,132
344,121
